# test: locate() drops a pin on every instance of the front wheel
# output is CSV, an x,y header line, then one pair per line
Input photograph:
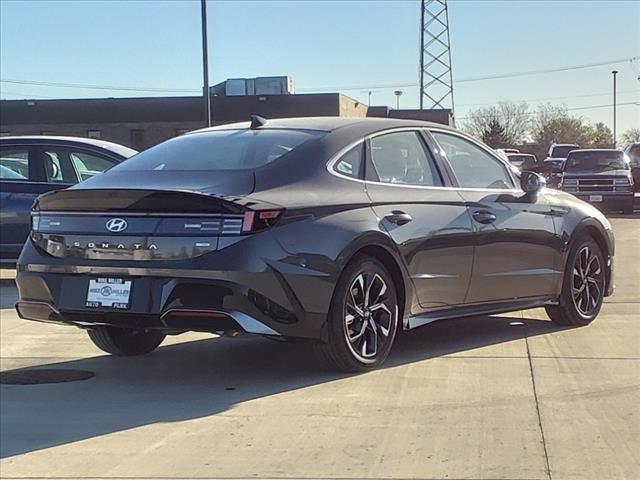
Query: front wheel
x,y
363,317
583,286
125,342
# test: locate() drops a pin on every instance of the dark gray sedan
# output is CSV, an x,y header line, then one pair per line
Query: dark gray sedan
x,y
335,231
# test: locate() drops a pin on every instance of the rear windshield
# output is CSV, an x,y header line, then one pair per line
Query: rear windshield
x,y
561,152
595,161
520,159
219,150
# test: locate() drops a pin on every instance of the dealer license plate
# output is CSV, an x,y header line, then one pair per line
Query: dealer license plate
x,y
109,293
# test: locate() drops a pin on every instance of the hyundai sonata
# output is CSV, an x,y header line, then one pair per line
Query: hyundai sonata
x,y
333,230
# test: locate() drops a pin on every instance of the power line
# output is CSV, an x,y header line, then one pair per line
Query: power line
x,y
481,78
590,107
97,87
317,89
25,96
549,98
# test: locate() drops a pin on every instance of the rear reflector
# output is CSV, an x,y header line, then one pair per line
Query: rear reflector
x,y
247,223
195,314
256,221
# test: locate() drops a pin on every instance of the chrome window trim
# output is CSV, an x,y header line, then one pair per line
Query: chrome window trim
x,y
336,156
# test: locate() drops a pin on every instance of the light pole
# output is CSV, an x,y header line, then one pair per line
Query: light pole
x,y
205,63
369,98
398,93
615,74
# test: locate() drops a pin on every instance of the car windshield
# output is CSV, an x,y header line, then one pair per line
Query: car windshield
x,y
595,161
562,151
219,150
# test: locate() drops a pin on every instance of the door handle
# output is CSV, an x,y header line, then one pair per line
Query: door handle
x,y
484,216
399,218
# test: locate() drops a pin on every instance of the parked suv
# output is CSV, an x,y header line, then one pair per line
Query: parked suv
x,y
558,153
32,165
633,152
336,231
599,176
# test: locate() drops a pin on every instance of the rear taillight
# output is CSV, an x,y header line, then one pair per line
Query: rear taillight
x,y
254,221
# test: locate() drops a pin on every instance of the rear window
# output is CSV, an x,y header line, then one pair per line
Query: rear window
x,y
219,150
518,160
562,152
595,161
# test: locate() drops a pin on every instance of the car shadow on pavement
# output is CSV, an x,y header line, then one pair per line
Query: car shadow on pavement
x,y
202,378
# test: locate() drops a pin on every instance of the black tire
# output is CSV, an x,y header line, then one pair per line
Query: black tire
x,y
577,306
370,345
125,342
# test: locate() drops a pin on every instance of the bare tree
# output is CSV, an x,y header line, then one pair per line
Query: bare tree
x,y
631,135
511,118
552,124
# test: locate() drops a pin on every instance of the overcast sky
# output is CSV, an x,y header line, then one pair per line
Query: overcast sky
x,y
327,44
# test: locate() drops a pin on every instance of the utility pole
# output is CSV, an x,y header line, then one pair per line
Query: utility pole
x,y
205,63
615,141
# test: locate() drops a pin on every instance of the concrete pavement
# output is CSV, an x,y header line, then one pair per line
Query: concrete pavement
x,y
500,397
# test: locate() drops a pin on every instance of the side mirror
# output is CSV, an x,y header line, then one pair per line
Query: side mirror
x,y
531,182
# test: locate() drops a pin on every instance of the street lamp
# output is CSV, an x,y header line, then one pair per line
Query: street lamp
x,y
398,93
205,62
615,74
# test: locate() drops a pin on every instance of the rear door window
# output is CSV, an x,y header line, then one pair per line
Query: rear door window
x,y
401,158
70,166
87,165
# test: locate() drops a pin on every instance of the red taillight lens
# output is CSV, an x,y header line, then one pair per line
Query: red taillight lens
x,y
256,221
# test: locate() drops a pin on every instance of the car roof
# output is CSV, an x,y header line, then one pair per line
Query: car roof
x,y
329,124
93,142
602,150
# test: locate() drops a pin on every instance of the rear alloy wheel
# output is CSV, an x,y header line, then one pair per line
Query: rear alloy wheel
x,y
583,286
125,342
363,317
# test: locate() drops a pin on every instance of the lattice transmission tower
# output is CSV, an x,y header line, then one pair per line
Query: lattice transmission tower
x,y
436,79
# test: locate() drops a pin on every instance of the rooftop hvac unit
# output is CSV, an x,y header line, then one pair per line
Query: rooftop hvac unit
x,y
239,87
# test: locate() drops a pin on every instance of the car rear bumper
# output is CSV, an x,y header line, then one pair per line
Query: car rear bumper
x,y
251,295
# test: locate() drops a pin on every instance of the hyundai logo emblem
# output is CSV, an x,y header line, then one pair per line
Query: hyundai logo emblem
x,y
116,225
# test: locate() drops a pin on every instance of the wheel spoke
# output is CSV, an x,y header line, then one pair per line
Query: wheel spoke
x,y
354,337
